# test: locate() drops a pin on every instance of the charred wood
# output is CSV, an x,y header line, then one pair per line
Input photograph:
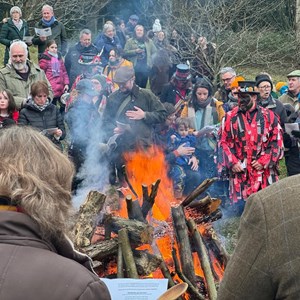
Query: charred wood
x,y
134,210
128,182
216,215
86,223
139,233
199,190
205,206
148,200
146,263
102,249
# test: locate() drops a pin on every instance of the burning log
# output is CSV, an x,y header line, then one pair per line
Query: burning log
x,y
183,242
199,190
86,222
205,206
127,254
134,210
139,233
148,200
102,249
204,259
128,182
146,263
216,215
213,242
192,288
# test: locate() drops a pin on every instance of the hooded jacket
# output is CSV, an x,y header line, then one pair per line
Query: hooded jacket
x,y
34,268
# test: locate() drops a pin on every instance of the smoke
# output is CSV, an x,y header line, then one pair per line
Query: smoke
x,y
84,123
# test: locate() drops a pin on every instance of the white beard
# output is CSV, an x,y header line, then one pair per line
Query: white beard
x,y
20,66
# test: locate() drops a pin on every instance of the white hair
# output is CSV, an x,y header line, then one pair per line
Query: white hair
x,y
21,44
227,70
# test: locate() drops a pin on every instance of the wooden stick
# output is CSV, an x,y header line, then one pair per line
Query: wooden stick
x,y
199,190
148,200
134,210
204,259
128,182
181,275
182,237
127,253
120,271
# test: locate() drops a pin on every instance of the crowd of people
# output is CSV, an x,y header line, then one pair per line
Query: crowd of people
x,y
128,89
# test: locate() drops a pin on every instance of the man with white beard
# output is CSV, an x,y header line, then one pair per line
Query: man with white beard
x,y
20,73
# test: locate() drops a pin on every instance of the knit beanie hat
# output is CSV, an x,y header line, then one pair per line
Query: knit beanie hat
x,y
260,78
279,85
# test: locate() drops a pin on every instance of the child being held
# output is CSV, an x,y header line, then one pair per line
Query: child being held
x,y
183,163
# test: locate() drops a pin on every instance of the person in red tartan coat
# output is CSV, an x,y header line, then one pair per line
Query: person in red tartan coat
x,y
250,145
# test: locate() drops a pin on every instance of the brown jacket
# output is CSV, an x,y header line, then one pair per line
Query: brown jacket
x,y
32,268
266,262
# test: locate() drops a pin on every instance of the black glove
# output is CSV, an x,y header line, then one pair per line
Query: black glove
x,y
296,133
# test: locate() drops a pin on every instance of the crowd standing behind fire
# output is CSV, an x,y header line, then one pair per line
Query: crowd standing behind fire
x,y
159,64
135,88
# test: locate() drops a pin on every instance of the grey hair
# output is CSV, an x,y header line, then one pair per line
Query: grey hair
x,y
84,31
18,43
17,9
227,70
48,6
108,26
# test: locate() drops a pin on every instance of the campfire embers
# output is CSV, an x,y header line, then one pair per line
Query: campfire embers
x,y
149,237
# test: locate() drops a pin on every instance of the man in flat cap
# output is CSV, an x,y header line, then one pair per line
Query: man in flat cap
x,y
250,146
131,113
132,22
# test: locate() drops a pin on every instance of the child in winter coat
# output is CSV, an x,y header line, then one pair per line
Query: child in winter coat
x,y
8,109
53,65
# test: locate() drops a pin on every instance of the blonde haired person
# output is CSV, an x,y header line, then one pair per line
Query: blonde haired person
x,y
35,189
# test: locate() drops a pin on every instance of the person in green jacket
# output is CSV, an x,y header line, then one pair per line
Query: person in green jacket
x,y
15,28
20,73
139,50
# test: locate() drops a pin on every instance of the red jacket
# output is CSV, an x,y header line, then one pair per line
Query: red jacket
x,y
55,71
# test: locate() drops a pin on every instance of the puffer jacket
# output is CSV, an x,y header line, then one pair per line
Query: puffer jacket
x,y
58,34
11,80
105,44
50,117
34,268
10,32
57,80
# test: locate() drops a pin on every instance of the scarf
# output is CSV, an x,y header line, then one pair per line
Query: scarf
x,y
50,22
53,54
204,103
39,107
18,24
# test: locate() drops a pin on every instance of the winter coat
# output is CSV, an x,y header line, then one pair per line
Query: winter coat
x,y
73,67
11,80
9,120
50,117
55,71
122,37
141,132
110,71
105,44
58,34
265,264
213,114
130,47
290,98
10,32
34,268
169,94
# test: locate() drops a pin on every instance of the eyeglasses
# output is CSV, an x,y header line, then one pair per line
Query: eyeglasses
x,y
227,79
265,87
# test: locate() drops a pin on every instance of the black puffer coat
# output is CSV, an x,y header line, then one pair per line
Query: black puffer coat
x,y
50,117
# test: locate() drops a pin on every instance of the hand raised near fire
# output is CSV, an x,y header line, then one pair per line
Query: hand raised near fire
x,y
182,150
194,163
137,114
